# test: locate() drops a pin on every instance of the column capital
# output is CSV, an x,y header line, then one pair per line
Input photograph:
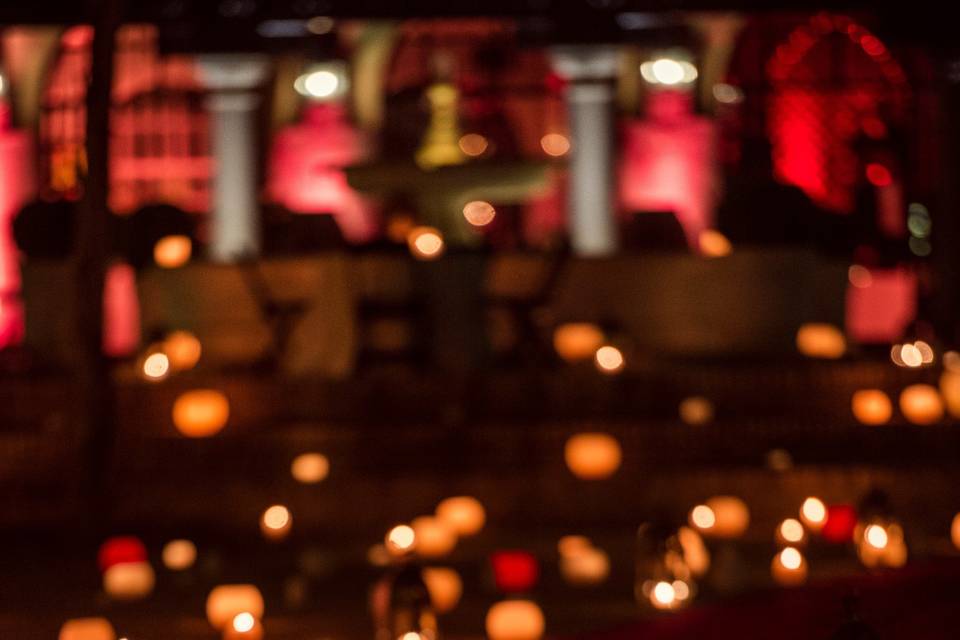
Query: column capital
x,y
232,71
585,62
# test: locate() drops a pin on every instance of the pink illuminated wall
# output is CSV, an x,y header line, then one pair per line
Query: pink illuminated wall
x,y
668,162
159,144
16,187
306,170
882,308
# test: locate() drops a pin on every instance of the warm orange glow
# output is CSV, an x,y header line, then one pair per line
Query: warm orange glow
x,y
702,517
577,341
950,390
276,522
695,553
609,359
955,531
585,567
464,514
714,244
183,349
87,629
789,568
171,252
570,545
681,590
871,407
515,620
227,601
921,404
201,413
378,556
426,243
401,539
129,580
732,517
473,144
821,340
593,456
881,545
791,531
479,213
156,366
445,587
179,555
435,538
310,468
555,144
663,595
696,410
813,513
399,227
926,351
951,361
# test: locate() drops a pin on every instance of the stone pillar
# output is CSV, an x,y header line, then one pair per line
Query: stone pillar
x,y
589,71
232,80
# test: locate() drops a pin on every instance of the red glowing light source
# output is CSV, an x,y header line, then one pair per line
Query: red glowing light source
x,y
514,571
872,45
840,523
879,175
120,550
874,128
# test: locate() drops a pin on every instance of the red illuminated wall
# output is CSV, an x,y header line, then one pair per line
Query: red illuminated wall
x,y
831,81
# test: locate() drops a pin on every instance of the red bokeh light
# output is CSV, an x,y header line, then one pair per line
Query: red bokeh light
x,y
879,175
514,571
840,523
120,550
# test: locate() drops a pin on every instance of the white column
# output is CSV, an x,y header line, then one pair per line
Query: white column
x,y
233,79
589,71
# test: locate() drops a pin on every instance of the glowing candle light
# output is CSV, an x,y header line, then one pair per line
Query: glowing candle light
x,y
593,456
179,555
226,602
577,341
663,595
435,538
813,513
201,413
464,514
789,568
276,522
790,531
445,587
921,404
609,359
400,539
426,243
310,468
871,407
821,340
515,620
172,252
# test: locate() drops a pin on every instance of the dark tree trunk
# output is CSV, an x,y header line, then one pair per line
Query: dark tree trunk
x,y
97,406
